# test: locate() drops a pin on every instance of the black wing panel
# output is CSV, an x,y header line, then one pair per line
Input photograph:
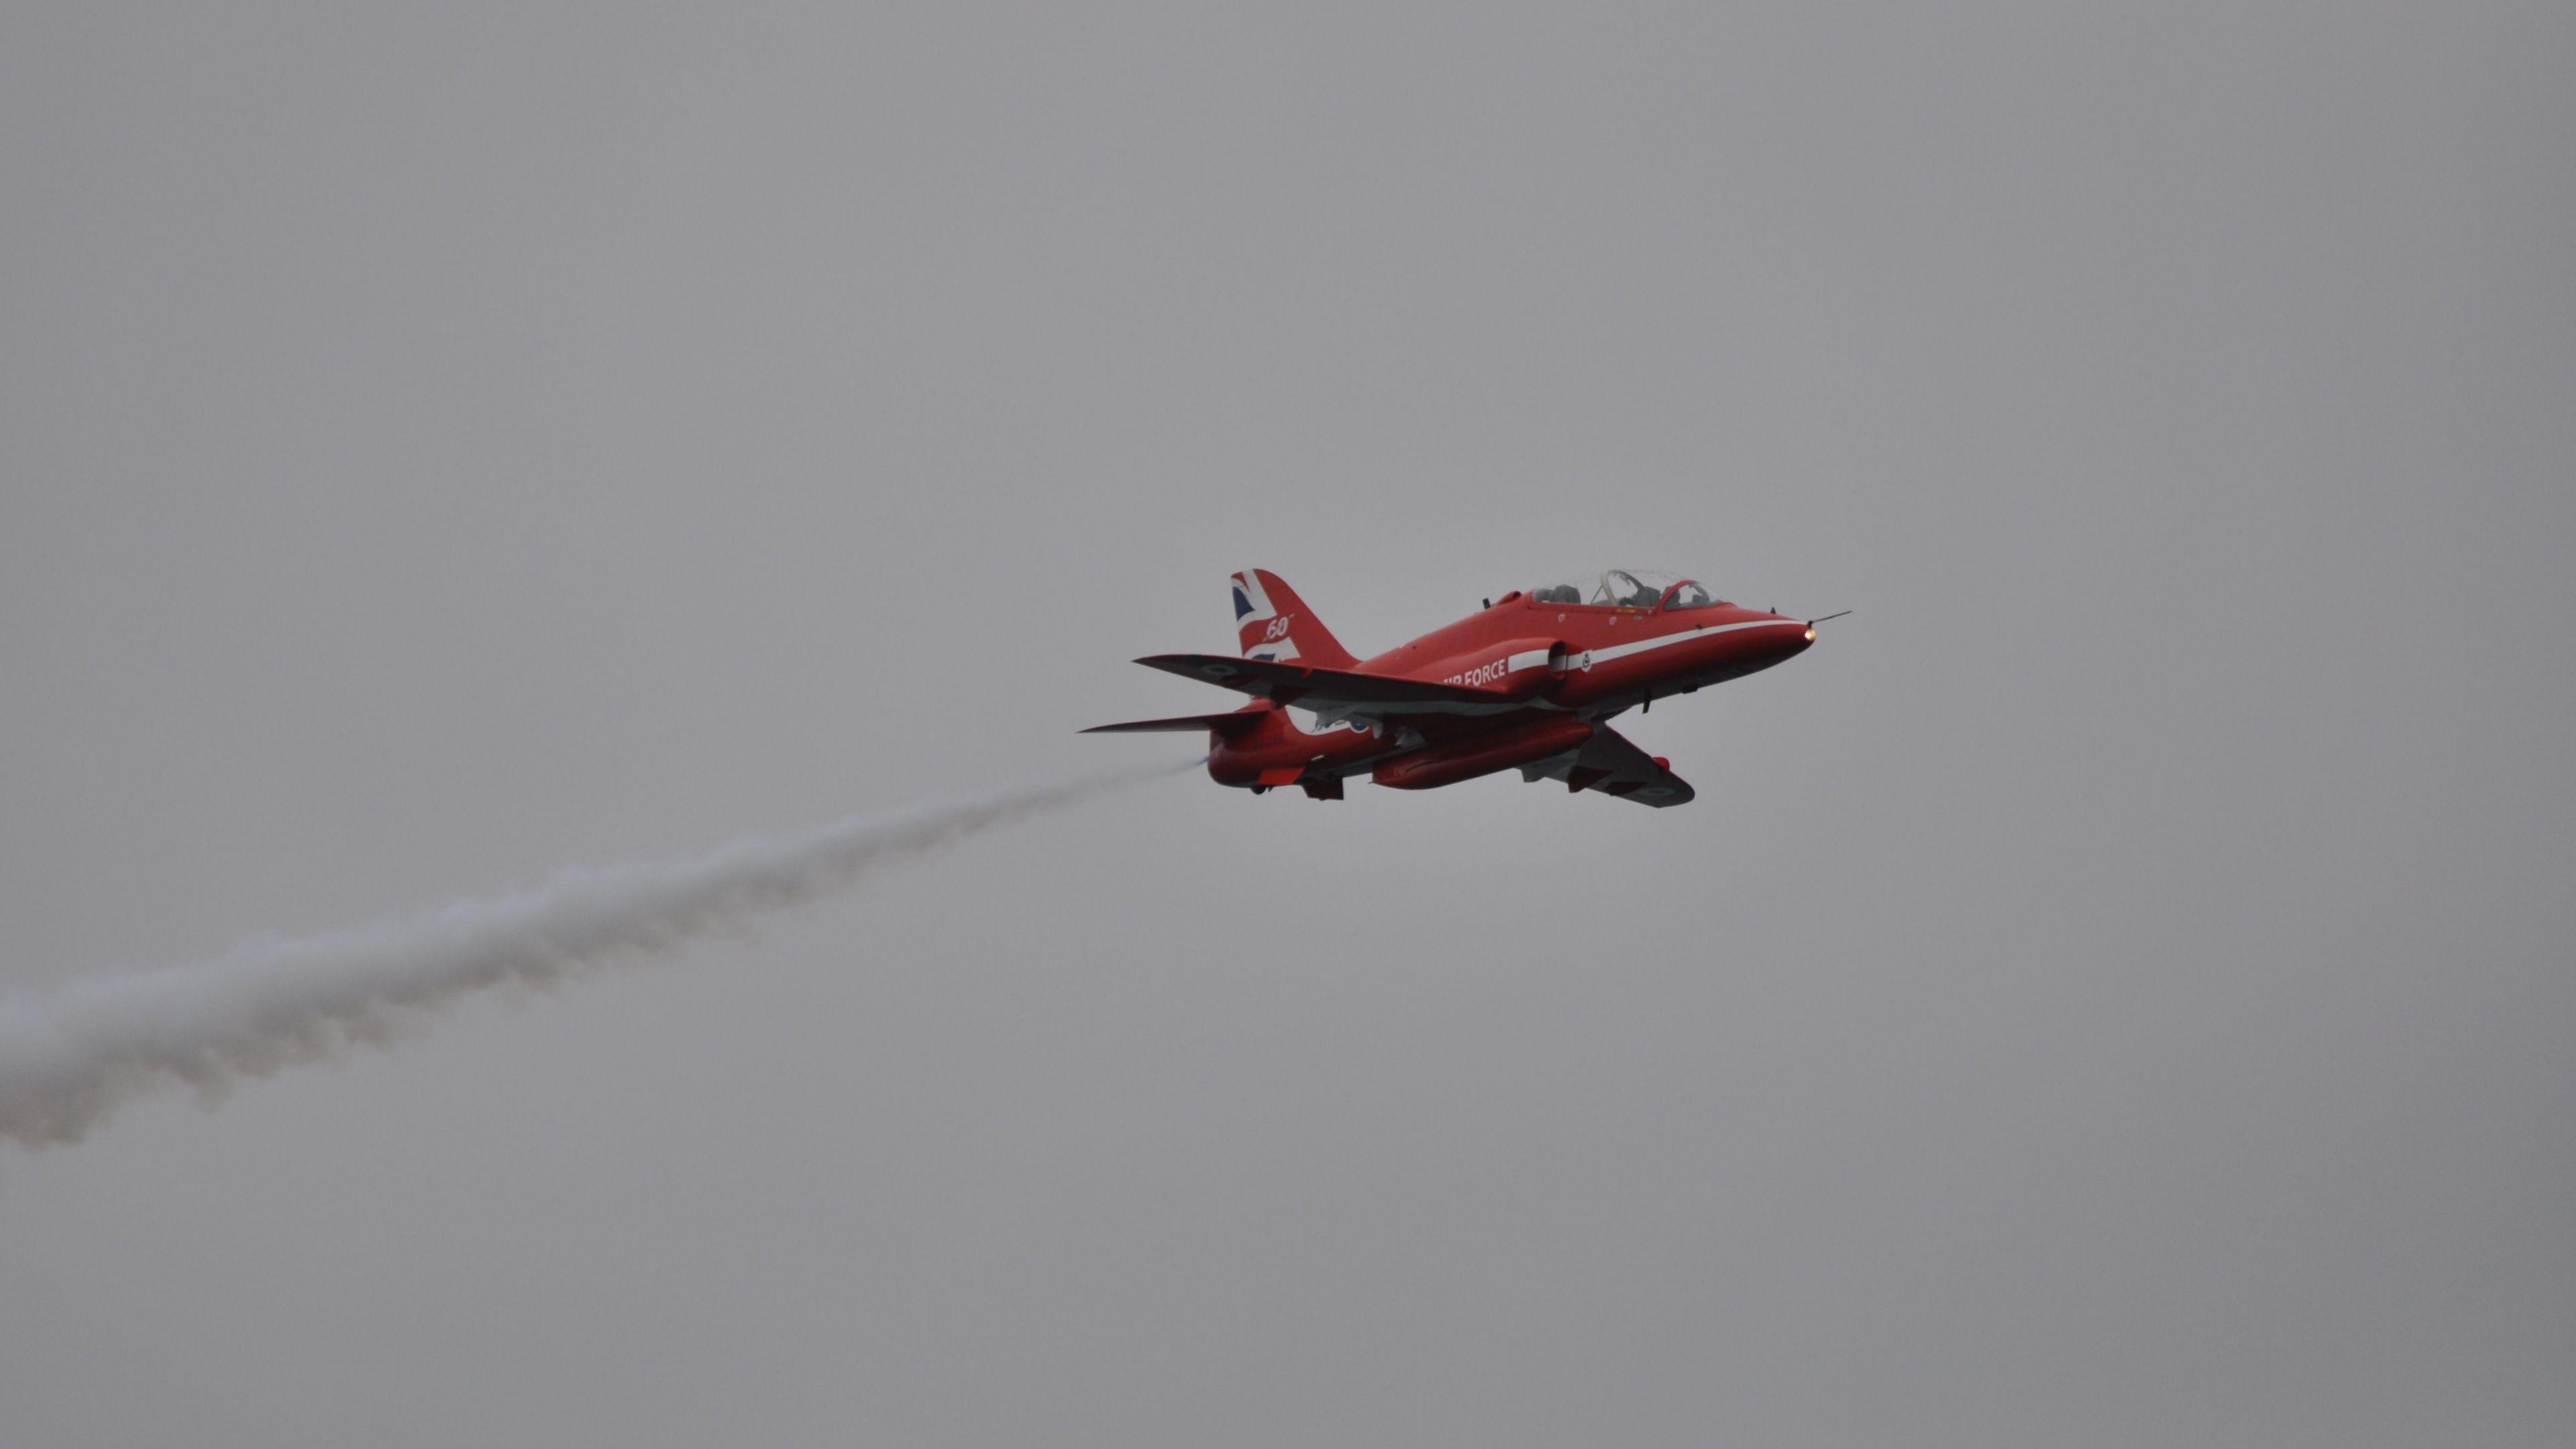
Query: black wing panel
x,y
1285,683
1613,765
1225,724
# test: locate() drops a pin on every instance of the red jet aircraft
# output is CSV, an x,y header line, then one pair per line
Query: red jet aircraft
x,y
1530,682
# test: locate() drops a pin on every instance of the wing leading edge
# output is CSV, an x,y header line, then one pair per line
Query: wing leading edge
x,y
1224,724
1333,689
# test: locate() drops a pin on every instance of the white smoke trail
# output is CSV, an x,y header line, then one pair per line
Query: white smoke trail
x,y
70,1059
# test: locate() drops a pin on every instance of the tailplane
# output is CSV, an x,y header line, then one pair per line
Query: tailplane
x,y
1242,721
1273,623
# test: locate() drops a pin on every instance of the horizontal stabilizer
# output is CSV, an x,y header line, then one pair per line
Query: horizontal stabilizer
x,y
1285,683
1233,723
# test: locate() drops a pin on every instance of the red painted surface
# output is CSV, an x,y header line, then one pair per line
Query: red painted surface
x,y
1524,682
1505,748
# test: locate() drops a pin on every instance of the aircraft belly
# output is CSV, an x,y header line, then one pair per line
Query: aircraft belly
x,y
1284,752
1484,753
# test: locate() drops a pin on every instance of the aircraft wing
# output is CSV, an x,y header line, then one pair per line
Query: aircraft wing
x,y
1609,763
1224,724
1334,691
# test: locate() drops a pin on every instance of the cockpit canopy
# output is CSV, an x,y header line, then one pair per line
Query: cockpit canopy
x,y
1629,589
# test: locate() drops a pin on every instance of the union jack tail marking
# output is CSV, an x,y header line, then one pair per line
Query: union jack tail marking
x,y
1273,623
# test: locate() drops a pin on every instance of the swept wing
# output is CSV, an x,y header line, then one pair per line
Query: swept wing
x,y
1610,763
1340,692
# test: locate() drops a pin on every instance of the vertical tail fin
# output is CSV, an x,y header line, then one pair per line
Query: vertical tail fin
x,y
1274,623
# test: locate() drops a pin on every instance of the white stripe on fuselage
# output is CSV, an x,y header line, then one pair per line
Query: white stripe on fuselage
x,y
1640,646
1329,715
1537,658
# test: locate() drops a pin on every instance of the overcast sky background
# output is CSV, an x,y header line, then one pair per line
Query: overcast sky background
x,y
2116,989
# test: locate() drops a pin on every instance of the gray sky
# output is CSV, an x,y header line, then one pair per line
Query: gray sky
x,y
2115,990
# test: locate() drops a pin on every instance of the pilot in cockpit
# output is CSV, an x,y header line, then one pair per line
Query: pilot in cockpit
x,y
1626,590
1629,589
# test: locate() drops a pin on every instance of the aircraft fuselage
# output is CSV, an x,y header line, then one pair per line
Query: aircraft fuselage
x,y
1555,669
